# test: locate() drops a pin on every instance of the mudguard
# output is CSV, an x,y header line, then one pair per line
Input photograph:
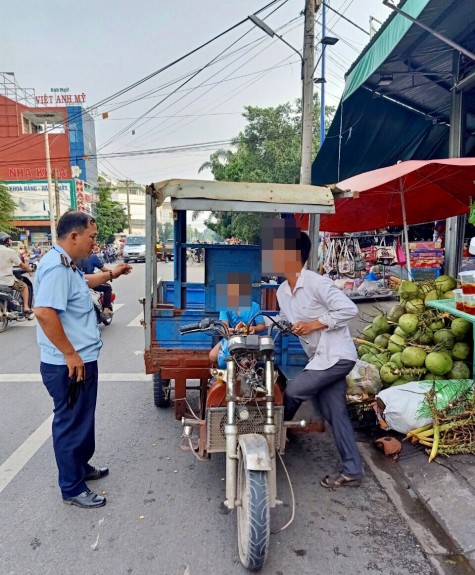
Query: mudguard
x,y
255,452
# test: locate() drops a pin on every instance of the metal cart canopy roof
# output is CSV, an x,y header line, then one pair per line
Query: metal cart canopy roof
x,y
244,196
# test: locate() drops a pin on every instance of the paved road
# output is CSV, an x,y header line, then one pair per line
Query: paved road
x,y
164,514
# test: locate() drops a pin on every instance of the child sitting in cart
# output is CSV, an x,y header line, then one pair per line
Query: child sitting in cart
x,y
233,300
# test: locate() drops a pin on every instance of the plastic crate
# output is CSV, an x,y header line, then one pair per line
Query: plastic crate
x,y
421,274
362,415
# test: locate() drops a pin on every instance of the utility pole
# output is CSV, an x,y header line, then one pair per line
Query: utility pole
x,y
56,195
307,120
50,187
129,220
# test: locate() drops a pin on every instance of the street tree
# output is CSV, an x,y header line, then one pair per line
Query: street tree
x,y
7,208
110,217
267,150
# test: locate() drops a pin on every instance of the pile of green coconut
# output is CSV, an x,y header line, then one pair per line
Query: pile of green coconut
x,y
414,342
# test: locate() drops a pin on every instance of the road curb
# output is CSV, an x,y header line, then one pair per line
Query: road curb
x,y
436,543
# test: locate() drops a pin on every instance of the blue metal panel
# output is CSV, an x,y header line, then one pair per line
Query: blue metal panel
x,y
167,331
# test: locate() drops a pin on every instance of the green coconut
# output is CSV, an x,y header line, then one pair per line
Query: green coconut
x,y
367,357
437,324
461,350
460,328
388,373
445,283
408,323
381,324
431,296
395,313
396,358
400,332
438,362
448,295
401,381
382,340
413,357
415,306
444,338
369,334
423,336
432,377
408,290
459,370
396,343
363,349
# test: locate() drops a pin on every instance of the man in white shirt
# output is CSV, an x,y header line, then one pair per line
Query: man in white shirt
x,y
8,259
319,312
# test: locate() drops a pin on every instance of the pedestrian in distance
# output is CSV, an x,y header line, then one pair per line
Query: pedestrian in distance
x,y
70,343
319,313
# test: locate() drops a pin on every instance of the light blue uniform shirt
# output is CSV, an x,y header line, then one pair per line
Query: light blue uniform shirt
x,y
60,287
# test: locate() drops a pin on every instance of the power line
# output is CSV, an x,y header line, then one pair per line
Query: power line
x,y
155,73
345,18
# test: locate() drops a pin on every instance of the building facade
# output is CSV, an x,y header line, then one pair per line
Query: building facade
x,y
27,123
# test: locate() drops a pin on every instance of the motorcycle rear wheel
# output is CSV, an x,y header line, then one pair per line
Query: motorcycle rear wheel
x,y
253,516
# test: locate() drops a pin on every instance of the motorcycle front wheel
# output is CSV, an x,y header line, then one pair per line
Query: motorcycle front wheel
x,y
253,516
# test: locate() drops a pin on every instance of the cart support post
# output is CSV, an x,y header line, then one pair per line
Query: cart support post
x,y
150,289
270,428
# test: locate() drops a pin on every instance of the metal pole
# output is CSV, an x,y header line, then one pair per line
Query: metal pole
x,y
50,187
455,226
56,195
129,221
322,86
406,236
306,152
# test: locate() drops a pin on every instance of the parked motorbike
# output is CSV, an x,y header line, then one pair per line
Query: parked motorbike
x,y
98,301
244,418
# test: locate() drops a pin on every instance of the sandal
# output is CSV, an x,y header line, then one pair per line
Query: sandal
x,y
29,314
338,480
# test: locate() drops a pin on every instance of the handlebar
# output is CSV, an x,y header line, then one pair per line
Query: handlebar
x,y
202,325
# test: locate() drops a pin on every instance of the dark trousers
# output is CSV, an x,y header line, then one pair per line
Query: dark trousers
x,y
106,289
327,388
73,429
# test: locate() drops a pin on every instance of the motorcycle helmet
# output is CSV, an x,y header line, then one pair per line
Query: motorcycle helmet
x,y
4,238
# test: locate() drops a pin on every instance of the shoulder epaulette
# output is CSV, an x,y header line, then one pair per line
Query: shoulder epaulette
x,y
64,260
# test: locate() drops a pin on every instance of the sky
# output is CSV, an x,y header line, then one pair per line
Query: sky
x,y
98,47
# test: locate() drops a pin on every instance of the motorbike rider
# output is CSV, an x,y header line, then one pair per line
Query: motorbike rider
x,y
8,259
88,266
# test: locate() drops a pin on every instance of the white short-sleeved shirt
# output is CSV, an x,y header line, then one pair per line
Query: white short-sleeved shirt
x,y
316,297
64,289
8,259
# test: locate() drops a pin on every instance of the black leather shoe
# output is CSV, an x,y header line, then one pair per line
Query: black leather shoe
x,y
97,473
87,500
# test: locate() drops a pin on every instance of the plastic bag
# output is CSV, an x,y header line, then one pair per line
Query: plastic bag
x,y
404,404
363,381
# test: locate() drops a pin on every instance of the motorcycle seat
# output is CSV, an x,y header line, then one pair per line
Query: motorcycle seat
x,y
6,289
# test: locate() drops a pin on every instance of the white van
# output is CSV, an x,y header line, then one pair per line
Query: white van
x,y
134,249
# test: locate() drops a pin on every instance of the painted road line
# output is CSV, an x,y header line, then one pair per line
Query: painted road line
x,y
19,458
35,377
136,321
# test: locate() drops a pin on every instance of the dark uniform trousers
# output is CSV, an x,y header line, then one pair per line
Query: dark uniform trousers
x,y
73,429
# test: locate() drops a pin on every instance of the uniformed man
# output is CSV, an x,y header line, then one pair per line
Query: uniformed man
x,y
69,340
